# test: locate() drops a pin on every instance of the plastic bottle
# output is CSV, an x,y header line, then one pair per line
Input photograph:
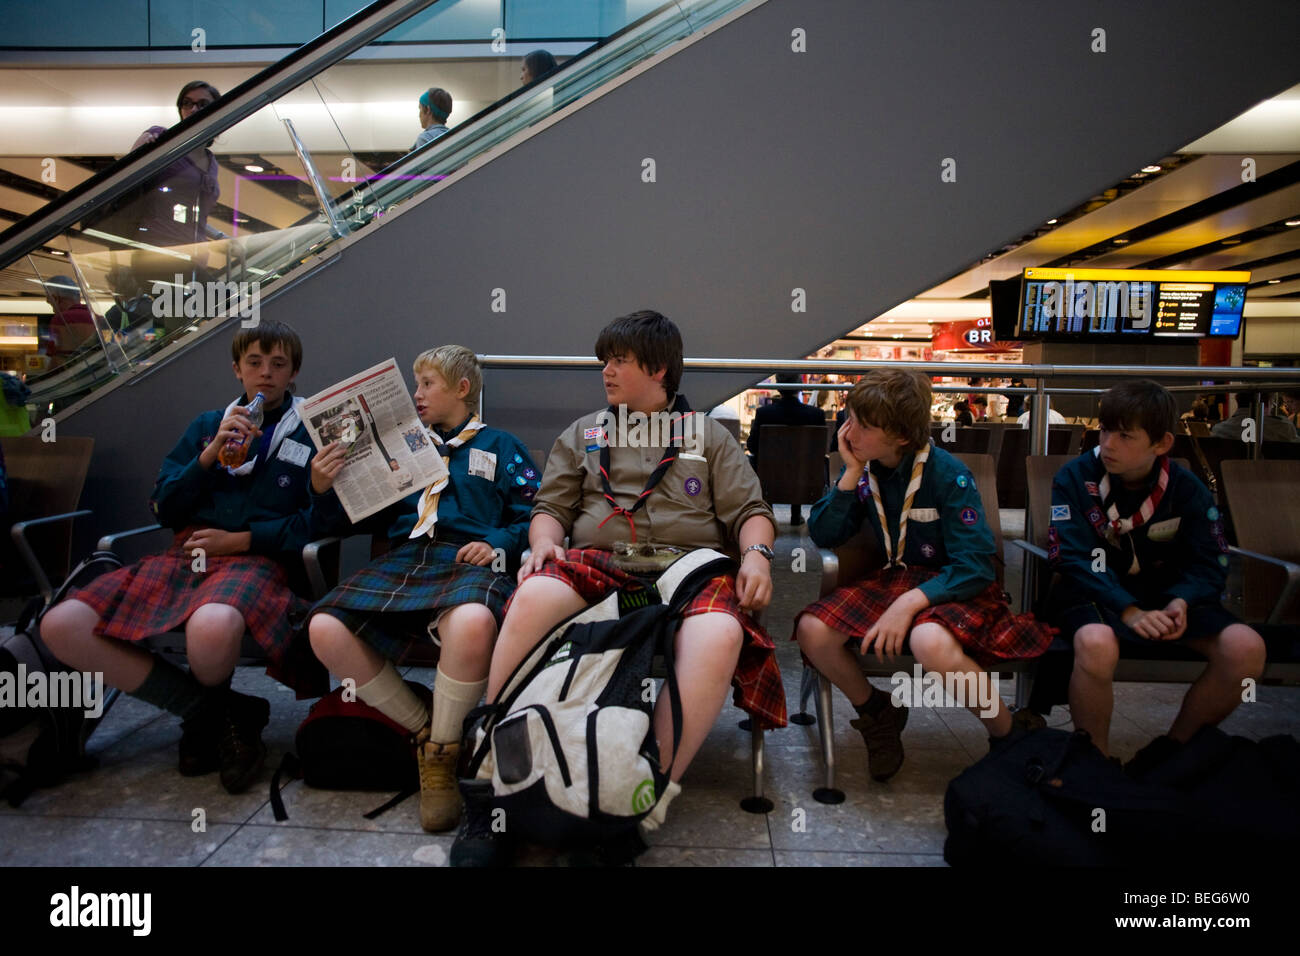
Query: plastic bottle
x,y
235,450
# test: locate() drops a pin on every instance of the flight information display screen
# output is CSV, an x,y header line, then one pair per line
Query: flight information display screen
x,y
1125,305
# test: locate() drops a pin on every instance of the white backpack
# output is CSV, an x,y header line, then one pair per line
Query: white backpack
x,y
569,748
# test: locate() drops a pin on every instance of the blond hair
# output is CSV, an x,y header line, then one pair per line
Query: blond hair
x,y
453,362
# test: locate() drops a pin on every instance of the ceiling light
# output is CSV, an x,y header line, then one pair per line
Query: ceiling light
x,y
1120,242
1052,222
1274,281
1293,222
56,252
253,168
1151,169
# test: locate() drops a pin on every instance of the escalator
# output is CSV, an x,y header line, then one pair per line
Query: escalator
x,y
141,261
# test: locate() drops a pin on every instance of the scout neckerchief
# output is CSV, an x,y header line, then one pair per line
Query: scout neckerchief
x,y
895,557
428,508
287,423
1115,528
680,409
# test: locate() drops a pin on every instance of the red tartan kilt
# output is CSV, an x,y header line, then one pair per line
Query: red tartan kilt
x,y
983,624
159,593
592,573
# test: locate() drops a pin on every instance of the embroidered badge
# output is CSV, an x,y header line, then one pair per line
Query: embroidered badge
x,y
283,481
592,434
510,468
1223,560
1213,513
864,488
1060,512
928,550
1091,488
527,492
1053,543
969,516
593,448
961,481
530,474
1095,518
692,486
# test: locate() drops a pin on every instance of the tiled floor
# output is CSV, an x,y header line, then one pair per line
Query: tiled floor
x,y
136,810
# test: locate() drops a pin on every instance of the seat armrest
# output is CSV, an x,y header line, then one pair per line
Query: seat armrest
x,y
1288,590
830,571
107,542
1033,549
19,533
311,562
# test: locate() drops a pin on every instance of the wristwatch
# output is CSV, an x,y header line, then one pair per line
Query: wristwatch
x,y
762,549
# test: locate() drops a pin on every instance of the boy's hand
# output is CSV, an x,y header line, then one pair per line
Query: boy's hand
x,y
234,425
478,553
325,467
891,628
539,556
1177,612
216,542
852,466
1153,625
754,582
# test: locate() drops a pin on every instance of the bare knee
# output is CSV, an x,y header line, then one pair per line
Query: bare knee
x,y
719,635
1096,649
934,647
330,639
468,634
66,625
814,634
213,630
1240,651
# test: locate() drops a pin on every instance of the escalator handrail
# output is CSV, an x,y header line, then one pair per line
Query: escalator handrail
x,y
245,99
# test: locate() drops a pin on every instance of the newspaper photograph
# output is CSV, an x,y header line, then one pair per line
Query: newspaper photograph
x,y
389,452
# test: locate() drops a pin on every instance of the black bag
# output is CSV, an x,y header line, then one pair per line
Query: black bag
x,y
569,751
42,744
1051,798
348,745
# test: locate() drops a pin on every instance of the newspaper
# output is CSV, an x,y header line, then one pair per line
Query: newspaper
x,y
390,454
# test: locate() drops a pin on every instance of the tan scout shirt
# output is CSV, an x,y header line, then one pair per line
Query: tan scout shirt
x,y
701,502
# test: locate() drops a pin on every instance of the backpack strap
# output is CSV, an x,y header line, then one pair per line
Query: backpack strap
x,y
684,578
290,767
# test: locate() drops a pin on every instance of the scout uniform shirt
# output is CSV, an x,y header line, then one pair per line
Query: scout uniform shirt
x,y
946,530
272,501
1180,550
702,500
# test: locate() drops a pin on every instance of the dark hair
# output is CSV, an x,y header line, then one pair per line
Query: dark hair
x,y
268,334
193,85
896,400
651,338
539,63
962,406
1248,398
437,101
788,378
1142,404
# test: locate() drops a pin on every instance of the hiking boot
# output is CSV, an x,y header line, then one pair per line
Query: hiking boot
x,y
477,844
439,795
240,745
1152,756
881,735
198,746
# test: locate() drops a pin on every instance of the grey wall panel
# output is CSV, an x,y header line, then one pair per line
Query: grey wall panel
x,y
775,170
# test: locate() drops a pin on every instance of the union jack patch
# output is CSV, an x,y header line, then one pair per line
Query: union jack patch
x,y
592,434
1091,487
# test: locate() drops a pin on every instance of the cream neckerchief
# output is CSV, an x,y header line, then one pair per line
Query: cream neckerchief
x,y
893,557
287,423
429,498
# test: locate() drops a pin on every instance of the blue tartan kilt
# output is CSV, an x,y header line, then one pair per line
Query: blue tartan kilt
x,y
392,603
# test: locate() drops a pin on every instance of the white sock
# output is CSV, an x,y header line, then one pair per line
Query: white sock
x,y
655,818
452,701
388,694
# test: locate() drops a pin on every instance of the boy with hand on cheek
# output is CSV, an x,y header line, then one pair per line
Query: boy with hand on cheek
x,y
938,589
1164,564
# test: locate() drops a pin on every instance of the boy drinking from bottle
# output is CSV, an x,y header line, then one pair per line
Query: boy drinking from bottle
x,y
236,530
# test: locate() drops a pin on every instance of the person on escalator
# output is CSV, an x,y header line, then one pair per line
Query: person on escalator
x,y
435,107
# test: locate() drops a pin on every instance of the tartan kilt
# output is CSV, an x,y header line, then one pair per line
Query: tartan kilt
x,y
757,681
159,593
391,602
983,624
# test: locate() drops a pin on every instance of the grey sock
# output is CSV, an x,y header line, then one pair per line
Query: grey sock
x,y
172,689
